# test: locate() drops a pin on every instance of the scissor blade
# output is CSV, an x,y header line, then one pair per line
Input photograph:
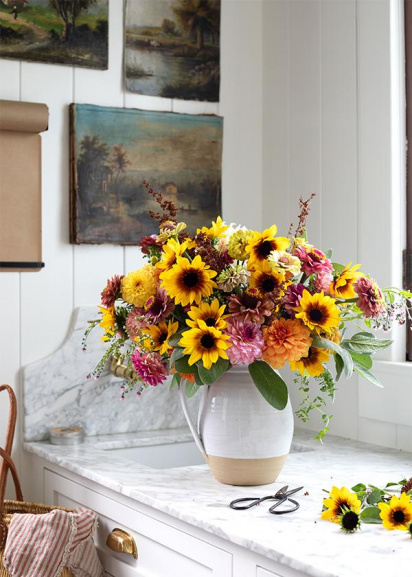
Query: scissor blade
x,y
292,491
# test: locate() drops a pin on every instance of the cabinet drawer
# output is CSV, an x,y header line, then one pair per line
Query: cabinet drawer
x,y
162,550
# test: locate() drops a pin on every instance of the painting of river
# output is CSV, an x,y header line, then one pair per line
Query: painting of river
x,y
74,33
114,150
172,48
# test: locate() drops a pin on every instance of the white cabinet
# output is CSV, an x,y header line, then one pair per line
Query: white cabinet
x,y
162,549
167,547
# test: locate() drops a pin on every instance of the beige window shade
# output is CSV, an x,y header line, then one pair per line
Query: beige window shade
x,y
20,185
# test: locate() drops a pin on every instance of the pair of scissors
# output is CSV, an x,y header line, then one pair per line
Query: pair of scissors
x,y
281,497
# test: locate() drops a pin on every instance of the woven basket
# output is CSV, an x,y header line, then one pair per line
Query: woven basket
x,y
8,507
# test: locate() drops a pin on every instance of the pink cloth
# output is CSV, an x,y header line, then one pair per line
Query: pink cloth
x,y
42,545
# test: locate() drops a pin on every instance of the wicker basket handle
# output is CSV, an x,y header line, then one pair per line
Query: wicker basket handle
x,y
12,467
8,442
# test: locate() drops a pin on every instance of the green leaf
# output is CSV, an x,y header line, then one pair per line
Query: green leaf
x,y
176,337
367,375
270,385
322,343
339,367
210,376
371,515
337,268
329,253
363,335
366,345
175,381
191,389
374,497
177,353
364,360
182,365
359,487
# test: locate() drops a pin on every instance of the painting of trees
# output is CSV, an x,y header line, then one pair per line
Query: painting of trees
x,y
69,10
198,17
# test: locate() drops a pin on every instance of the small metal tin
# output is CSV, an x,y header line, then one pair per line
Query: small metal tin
x,y
67,436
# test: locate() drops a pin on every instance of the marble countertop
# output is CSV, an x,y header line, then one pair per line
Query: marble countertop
x,y
300,540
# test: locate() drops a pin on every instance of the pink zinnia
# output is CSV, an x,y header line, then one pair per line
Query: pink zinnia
x,y
247,342
135,322
292,298
370,297
150,367
323,281
313,261
248,307
158,307
111,292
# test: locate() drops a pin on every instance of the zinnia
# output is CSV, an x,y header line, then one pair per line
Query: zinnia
x,y
370,297
150,367
246,340
285,340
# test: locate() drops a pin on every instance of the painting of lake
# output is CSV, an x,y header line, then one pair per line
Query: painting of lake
x,y
74,33
172,48
114,150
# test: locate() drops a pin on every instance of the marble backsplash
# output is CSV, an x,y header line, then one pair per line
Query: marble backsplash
x,y
57,392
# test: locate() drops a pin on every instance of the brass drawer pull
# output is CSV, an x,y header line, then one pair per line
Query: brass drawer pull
x,y
121,542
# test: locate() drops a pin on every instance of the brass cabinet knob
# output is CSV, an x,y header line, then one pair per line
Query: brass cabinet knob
x,y
121,542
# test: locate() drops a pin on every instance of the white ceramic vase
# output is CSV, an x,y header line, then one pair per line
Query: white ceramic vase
x,y
245,441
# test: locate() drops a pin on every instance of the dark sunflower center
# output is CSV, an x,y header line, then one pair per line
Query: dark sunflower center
x,y
191,279
316,315
207,341
399,516
350,520
162,338
265,248
210,322
268,284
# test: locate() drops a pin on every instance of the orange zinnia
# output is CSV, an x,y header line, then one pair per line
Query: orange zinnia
x,y
285,340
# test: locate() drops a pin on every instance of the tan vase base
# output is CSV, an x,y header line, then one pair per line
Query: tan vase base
x,y
245,472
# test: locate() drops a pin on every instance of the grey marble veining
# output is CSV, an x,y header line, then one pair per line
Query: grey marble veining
x,y
300,540
58,393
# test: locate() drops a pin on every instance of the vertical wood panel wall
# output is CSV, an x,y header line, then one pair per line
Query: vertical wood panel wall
x,y
36,308
328,128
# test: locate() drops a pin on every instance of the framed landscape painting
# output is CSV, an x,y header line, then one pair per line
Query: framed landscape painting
x,y
172,48
71,32
114,150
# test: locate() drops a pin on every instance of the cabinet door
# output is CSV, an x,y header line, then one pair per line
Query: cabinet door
x,y
162,550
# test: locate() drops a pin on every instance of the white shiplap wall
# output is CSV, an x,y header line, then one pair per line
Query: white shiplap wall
x,y
36,308
332,105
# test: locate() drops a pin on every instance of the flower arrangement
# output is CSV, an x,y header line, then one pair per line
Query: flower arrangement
x,y
370,504
229,296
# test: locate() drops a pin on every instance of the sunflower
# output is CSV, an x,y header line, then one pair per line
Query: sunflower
x,y
159,336
217,229
187,282
266,281
349,520
171,251
318,312
108,322
342,286
397,514
139,285
205,343
338,501
312,363
211,314
262,244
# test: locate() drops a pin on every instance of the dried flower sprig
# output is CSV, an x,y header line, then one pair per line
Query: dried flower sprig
x,y
168,206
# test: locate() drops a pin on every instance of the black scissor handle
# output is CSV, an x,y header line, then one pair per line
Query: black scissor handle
x,y
249,502
284,511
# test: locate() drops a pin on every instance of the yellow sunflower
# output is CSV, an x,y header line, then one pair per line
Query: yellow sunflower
x,y
108,322
138,286
267,281
338,500
217,229
159,336
342,286
397,514
188,282
318,312
211,314
205,343
262,244
171,250
312,363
